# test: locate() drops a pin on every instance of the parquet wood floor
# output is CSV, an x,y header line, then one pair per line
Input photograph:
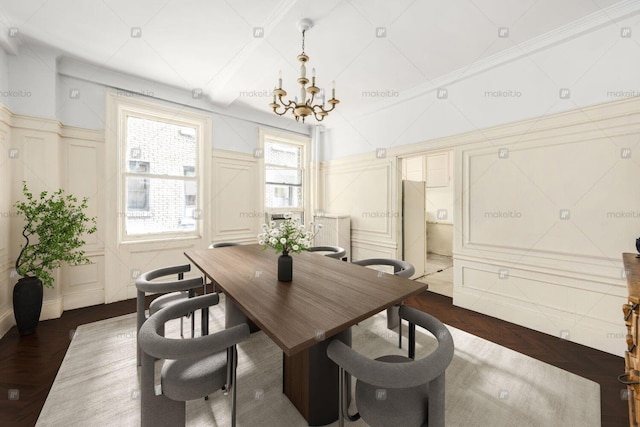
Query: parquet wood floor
x,y
29,364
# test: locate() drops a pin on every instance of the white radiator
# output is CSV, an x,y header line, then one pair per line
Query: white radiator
x,y
335,231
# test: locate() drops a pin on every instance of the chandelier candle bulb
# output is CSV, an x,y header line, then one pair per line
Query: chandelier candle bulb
x,y
280,79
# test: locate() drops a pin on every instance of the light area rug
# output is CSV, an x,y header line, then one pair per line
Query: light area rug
x,y
486,384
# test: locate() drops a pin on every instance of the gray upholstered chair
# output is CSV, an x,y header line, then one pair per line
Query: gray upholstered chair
x,y
332,251
397,390
192,368
223,245
400,268
175,291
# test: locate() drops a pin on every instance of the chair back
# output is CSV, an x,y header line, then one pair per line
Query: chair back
x,y
400,268
145,284
333,251
223,245
404,378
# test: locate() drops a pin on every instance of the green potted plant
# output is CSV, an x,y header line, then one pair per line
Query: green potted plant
x,y
55,224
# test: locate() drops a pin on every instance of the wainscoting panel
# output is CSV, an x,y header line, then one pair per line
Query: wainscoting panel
x,y
562,306
236,208
149,256
38,162
84,284
83,176
544,218
366,190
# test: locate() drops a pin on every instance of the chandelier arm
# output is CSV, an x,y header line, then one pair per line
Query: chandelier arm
x,y
286,107
288,104
315,114
324,110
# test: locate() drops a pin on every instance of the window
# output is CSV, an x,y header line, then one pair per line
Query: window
x,y
161,176
284,175
285,170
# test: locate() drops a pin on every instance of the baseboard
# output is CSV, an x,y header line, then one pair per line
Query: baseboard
x,y
51,309
83,299
7,321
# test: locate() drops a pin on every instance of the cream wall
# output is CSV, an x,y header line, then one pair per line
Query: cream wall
x,y
516,255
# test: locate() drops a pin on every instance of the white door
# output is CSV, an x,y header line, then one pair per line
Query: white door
x,y
414,227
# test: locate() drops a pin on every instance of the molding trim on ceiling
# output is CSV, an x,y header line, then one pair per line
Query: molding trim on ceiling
x,y
577,28
133,86
9,37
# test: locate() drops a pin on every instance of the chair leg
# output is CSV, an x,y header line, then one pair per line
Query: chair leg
x,y
412,340
344,392
230,368
234,356
400,333
141,317
341,397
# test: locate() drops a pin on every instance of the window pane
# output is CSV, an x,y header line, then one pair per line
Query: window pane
x,y
165,148
283,196
283,155
283,176
137,194
168,207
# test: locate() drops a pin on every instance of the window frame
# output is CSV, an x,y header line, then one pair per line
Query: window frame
x,y
286,138
173,116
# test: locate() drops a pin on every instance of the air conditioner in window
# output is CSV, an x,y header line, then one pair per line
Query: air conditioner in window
x,y
280,216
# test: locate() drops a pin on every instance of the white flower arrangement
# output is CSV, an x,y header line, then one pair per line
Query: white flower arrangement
x,y
287,236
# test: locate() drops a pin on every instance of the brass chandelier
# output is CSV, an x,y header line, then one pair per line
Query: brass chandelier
x,y
303,106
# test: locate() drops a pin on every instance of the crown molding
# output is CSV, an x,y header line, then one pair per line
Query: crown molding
x,y
9,41
577,28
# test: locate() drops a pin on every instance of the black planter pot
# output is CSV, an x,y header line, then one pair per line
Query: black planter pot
x,y
285,268
27,304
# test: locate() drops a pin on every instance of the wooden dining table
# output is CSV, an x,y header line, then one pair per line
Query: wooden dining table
x,y
325,298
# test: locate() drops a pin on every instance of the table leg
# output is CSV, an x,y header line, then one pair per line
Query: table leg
x,y
234,316
311,381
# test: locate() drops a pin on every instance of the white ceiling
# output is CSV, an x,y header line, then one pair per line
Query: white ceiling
x,y
210,44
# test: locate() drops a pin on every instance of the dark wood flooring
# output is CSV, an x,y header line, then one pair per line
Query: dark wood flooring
x,y
29,364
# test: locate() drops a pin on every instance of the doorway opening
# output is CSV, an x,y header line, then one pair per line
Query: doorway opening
x,y
434,171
